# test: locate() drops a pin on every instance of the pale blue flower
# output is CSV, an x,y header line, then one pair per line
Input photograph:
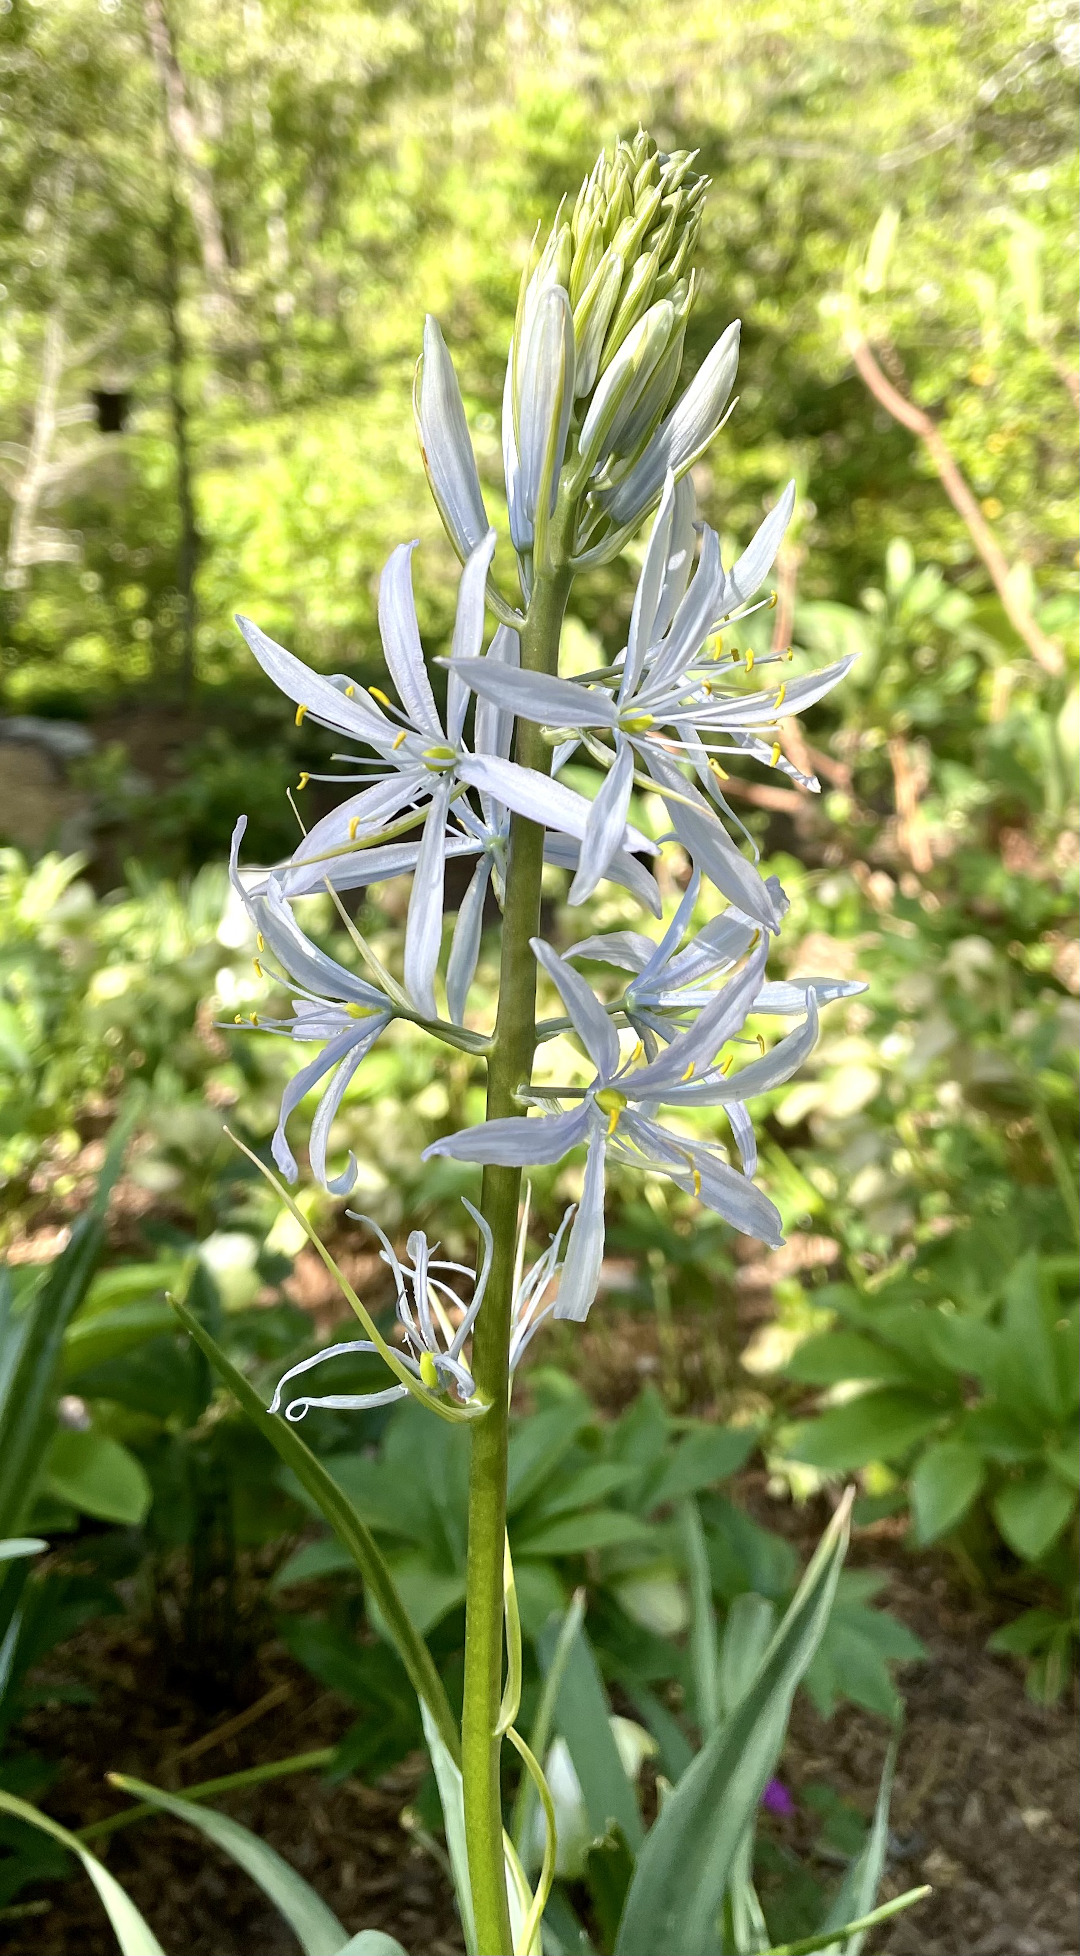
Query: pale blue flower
x,y
616,1116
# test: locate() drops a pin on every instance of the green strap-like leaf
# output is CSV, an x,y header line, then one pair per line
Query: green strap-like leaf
x,y
347,1526
134,1935
858,1891
817,1945
678,1887
316,1928
26,1413
702,1616
582,1719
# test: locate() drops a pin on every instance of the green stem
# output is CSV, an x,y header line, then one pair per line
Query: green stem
x,y
509,1067
300,1762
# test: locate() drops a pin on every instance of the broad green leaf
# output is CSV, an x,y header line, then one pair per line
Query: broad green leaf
x,y
93,1341
1066,1462
574,1534
316,1928
570,1491
97,1475
347,1525
538,1444
964,1344
685,1863
582,1718
1032,1512
947,1479
877,1426
134,1935
858,1891
1029,1372
834,1355
428,1594
702,1459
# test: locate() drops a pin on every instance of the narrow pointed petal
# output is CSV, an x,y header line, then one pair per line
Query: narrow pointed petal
x,y
649,588
423,927
589,1019
719,943
660,955
518,1141
521,529
362,867
691,624
585,1250
361,814
400,635
352,1346
623,869
537,696
761,1075
494,724
318,695
465,947
628,950
301,1085
681,549
468,630
736,1198
305,964
753,567
539,798
717,1022
682,436
607,825
326,1114
786,998
446,447
711,848
758,708
742,1128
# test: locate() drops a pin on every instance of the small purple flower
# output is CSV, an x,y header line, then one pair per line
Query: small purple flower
x,y
777,1799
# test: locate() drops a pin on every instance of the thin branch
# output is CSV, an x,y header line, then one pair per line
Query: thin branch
x,y
1043,649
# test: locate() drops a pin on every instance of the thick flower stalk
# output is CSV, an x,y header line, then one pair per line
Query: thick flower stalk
x,y
600,431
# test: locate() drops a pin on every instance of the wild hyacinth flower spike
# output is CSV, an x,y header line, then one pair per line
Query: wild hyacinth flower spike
x,y
617,1115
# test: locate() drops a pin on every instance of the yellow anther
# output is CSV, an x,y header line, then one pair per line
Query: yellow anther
x,y
638,1053
300,712
689,1071
260,941
781,694
396,743
302,783
377,694
697,1183
789,655
775,755
726,1065
750,660
429,1372
760,1044
258,967
772,600
350,692
736,655
720,773
254,1018
239,1019
354,824
613,1119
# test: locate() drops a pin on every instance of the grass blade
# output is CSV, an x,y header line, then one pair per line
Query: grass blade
x,y
135,1936
316,1928
677,1890
338,1510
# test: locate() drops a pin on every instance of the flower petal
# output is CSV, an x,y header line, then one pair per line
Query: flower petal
x,y
539,798
587,1015
494,724
753,567
468,630
710,847
446,447
650,586
628,950
537,696
787,997
465,947
360,867
517,1141
717,1022
606,826
423,927
761,1075
623,869
300,1085
585,1250
303,961
400,636
358,716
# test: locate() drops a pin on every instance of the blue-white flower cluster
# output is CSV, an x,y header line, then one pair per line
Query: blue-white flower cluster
x,y
423,787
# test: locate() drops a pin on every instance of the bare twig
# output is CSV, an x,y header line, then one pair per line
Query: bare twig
x,y
1042,648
